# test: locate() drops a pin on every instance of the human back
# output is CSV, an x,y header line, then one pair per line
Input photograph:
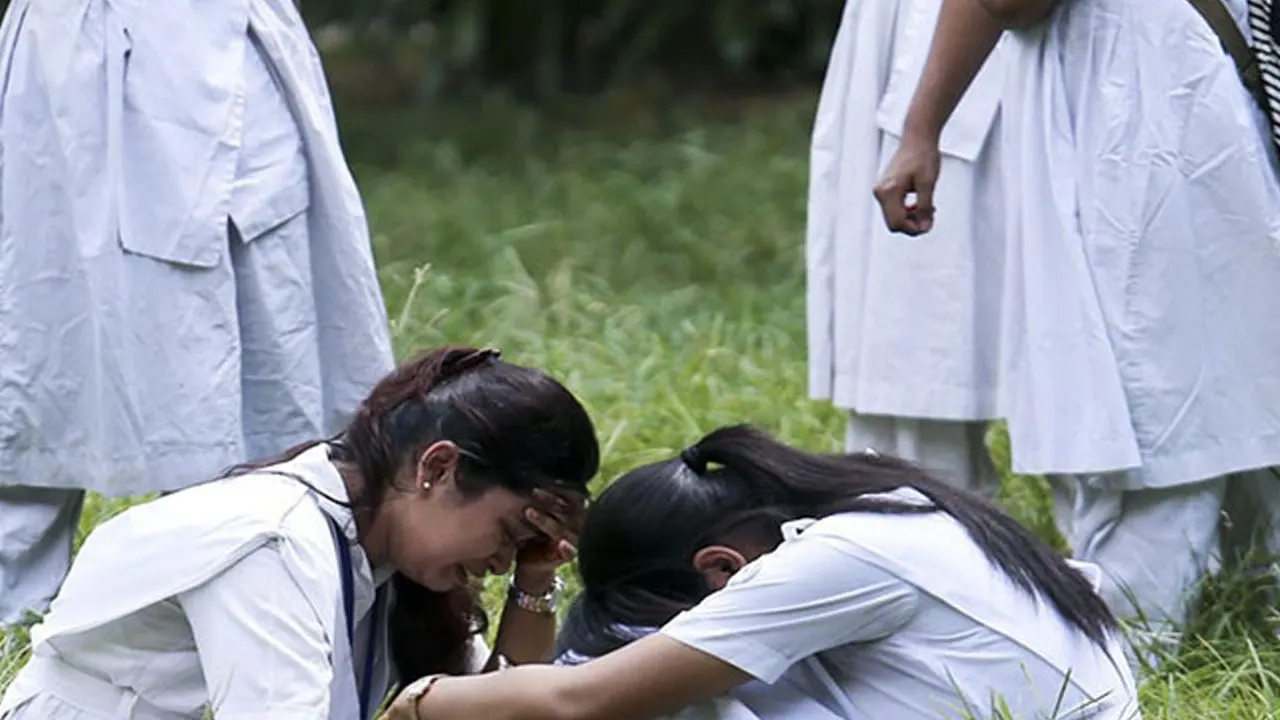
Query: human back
x,y
974,642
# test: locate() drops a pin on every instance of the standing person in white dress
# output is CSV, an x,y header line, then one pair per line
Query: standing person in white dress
x,y
877,590
905,336
1140,351
186,278
304,588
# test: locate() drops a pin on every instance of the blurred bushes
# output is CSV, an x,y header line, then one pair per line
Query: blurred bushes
x,y
543,48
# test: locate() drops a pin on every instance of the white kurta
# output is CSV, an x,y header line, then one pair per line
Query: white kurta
x,y
904,617
897,326
143,344
228,592
1144,251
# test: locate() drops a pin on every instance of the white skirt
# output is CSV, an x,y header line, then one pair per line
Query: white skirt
x,y
1140,329
899,326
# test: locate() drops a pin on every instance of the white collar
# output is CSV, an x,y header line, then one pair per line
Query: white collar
x,y
792,529
315,466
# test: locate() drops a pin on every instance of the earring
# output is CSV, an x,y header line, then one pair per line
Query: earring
x,y
426,485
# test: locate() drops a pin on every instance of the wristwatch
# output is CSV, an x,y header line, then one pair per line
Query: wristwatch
x,y
414,691
544,604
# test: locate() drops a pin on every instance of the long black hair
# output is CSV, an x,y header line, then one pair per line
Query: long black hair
x,y
636,550
516,427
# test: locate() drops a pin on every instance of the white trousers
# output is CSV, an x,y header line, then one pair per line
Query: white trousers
x,y
953,451
37,529
1156,545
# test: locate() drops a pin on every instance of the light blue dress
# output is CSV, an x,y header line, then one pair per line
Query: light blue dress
x,y
186,277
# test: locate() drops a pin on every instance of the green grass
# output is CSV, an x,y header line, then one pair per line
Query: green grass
x,y
653,259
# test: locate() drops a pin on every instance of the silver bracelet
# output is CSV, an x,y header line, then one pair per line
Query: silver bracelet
x,y
545,604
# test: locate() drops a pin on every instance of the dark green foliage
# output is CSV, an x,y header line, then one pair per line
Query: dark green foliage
x,y
548,47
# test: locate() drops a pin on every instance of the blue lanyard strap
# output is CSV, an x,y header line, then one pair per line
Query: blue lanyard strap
x,y
366,687
349,601
349,607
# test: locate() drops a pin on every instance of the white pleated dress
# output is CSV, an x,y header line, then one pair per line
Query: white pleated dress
x,y
145,343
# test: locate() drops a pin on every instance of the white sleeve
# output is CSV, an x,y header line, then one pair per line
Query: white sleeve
x,y
264,652
805,597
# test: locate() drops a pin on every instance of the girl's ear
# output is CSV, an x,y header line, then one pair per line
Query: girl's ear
x,y
718,563
436,466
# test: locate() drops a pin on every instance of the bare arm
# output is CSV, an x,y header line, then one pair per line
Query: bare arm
x,y
523,636
967,32
966,35
608,688
1019,13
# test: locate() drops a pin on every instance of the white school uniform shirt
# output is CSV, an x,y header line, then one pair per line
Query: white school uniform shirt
x,y
227,592
903,617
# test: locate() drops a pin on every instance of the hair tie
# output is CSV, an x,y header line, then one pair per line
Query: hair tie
x,y
692,458
462,362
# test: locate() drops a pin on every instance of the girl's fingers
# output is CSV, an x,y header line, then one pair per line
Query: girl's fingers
x,y
568,551
548,525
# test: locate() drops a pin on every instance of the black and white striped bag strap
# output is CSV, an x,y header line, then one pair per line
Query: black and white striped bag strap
x,y
1265,29
1253,60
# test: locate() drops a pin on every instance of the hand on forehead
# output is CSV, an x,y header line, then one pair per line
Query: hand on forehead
x,y
556,512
